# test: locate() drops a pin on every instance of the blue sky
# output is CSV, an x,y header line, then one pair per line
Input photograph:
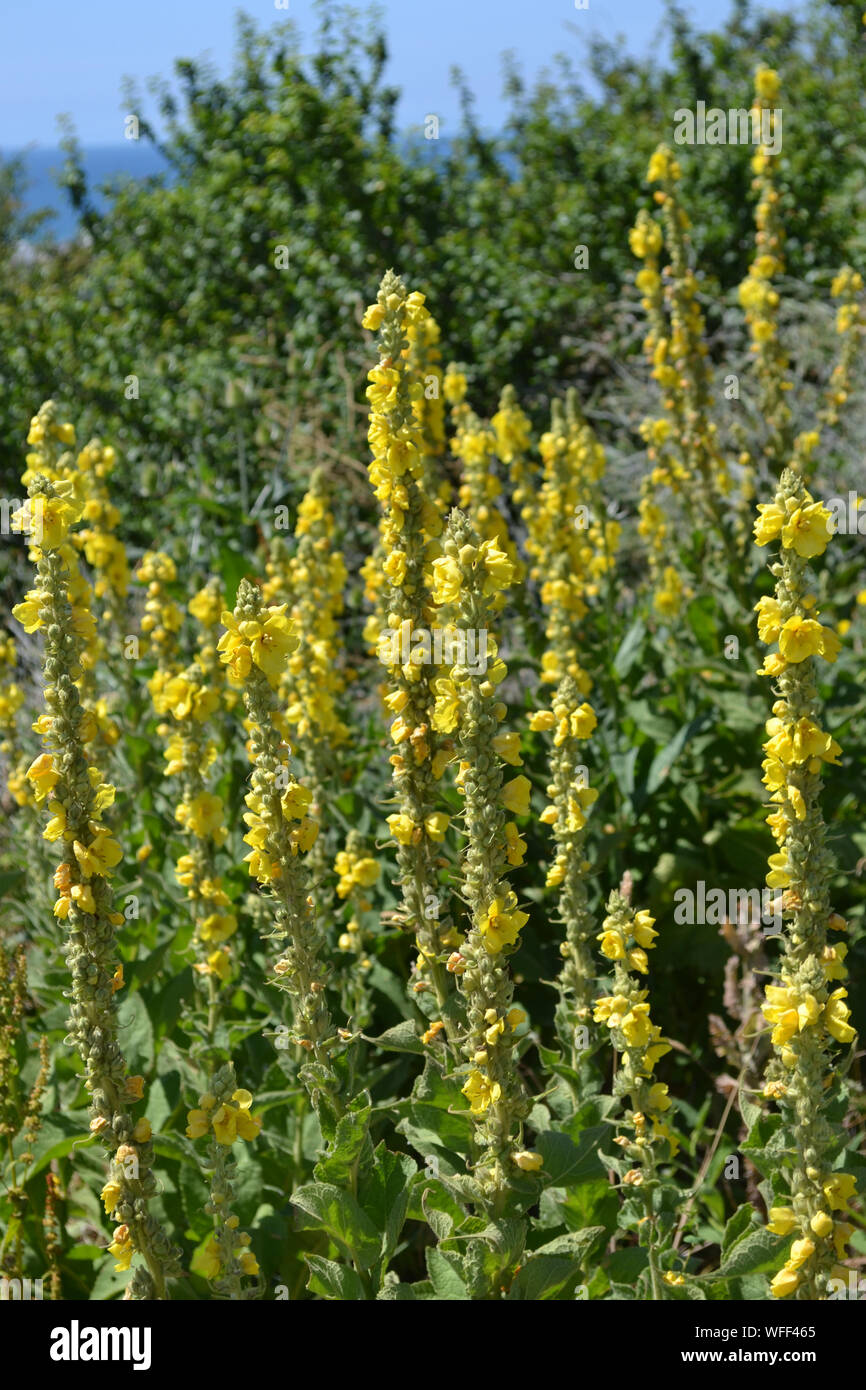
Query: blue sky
x,y
60,56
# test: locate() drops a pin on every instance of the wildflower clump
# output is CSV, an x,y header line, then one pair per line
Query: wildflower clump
x,y
357,871
312,580
256,646
806,1006
758,295
847,287
223,1116
162,619
467,579
409,519
571,721
644,1138
65,779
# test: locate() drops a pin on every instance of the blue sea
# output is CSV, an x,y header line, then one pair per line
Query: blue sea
x,y
102,163
110,163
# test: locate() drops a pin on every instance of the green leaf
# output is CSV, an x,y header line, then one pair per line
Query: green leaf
x,y
351,1139
440,1223
766,1144
327,1207
576,1244
736,1227
566,1162
58,1136
701,615
135,1033
663,761
384,1187
446,1275
408,1293
402,1038
334,1281
755,1252
542,1276
629,648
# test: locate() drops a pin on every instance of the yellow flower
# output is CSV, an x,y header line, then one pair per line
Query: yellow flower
x,y
121,1248
436,825
402,828
198,1124
808,530
481,1092
769,523
446,710
803,637
515,796
42,776
637,1026
822,1224
203,815
801,1251
100,856
373,318
500,925
839,1188
769,619
767,84
528,1160
508,748
784,1283
110,1195
46,519
225,1125
208,1262
783,1221
836,1015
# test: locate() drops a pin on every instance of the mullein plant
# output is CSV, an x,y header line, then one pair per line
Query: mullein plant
x,y
256,647
49,458
644,1138
315,679
162,619
512,432
192,696
687,350
420,362
759,296
571,720
223,1117
20,1105
682,442
421,753
559,547
77,796
104,551
474,445
847,287
425,363
469,581
12,698
668,471
805,1006
357,871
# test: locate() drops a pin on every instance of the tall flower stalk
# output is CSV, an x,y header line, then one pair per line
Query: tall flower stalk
x,y
77,796
469,577
643,1137
256,647
806,1005
409,519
